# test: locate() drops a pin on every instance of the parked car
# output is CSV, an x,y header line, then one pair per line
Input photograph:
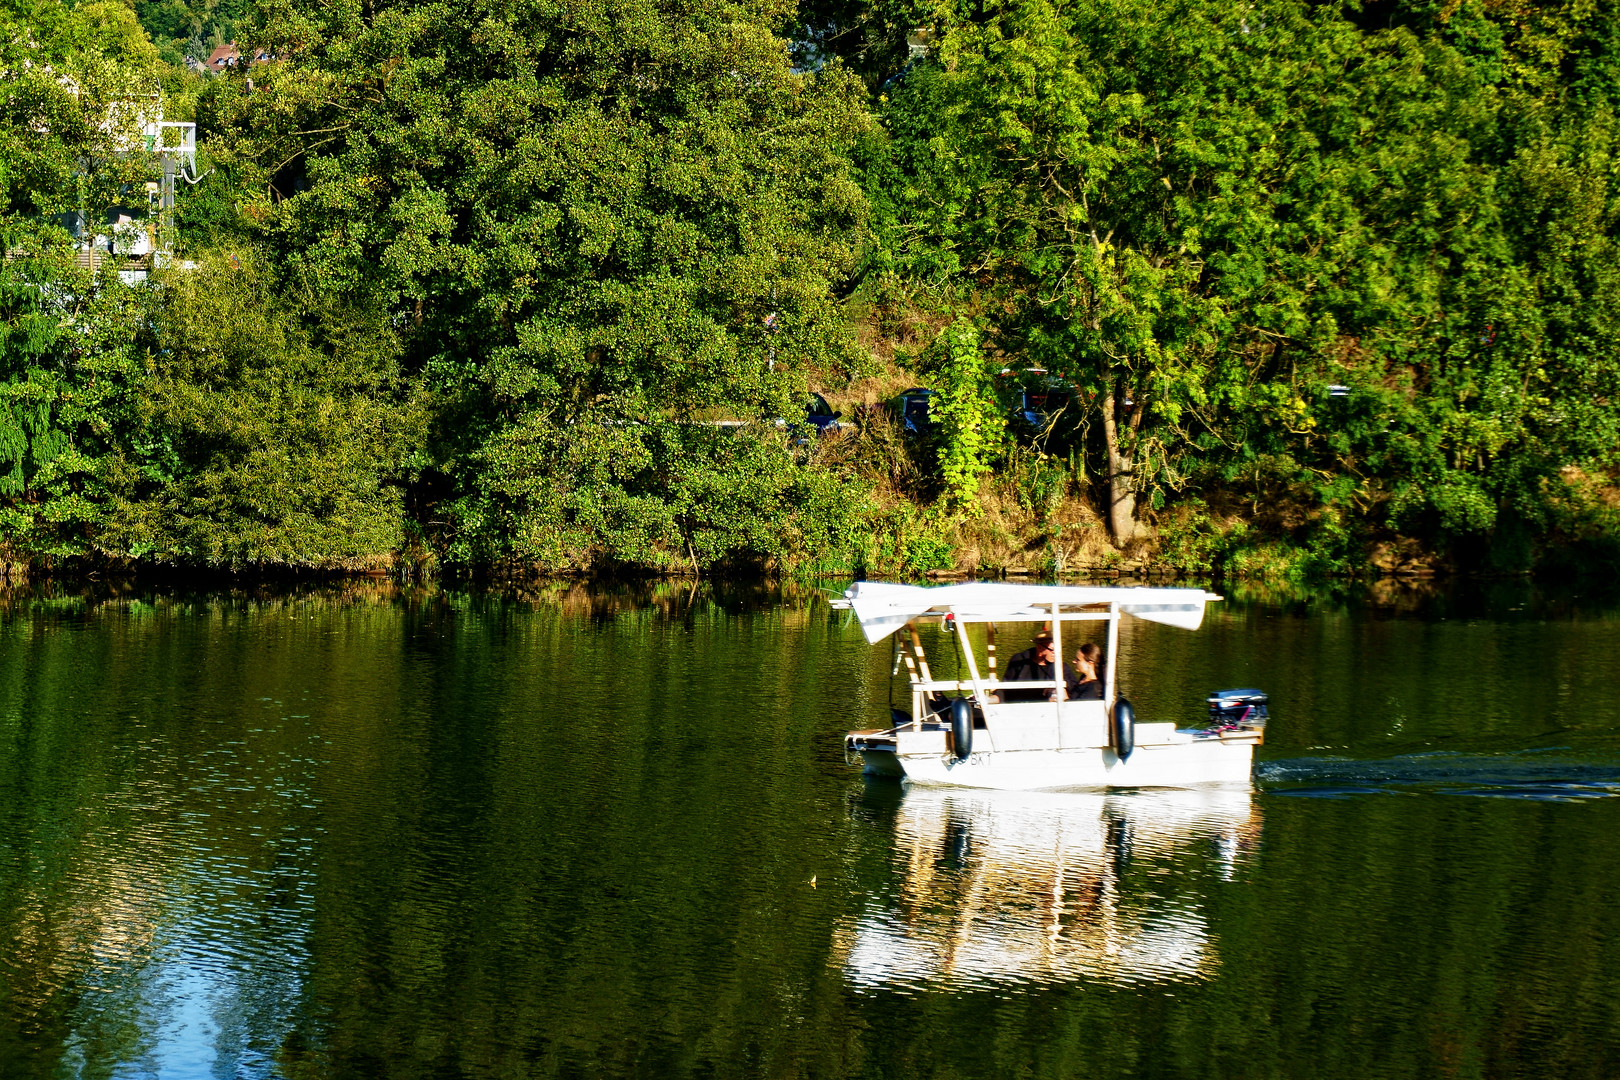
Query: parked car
x,y
1037,400
913,411
819,418
819,415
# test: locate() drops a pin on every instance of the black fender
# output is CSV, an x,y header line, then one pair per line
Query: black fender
x,y
1122,729
961,728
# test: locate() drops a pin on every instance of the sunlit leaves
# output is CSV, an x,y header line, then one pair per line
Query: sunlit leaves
x,y
600,213
1224,209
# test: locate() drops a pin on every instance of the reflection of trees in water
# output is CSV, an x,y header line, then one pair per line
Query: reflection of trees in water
x,y
136,913
516,833
998,886
656,599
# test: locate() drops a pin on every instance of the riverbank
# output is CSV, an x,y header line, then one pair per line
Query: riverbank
x,y
674,598
1011,536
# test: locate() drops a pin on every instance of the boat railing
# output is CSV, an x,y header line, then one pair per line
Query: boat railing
x,y
966,685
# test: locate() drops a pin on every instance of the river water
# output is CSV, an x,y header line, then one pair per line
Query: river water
x,y
351,832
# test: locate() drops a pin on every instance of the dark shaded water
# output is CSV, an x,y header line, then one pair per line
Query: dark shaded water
x,y
572,834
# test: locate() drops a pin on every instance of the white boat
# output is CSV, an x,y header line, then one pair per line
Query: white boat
x,y
960,731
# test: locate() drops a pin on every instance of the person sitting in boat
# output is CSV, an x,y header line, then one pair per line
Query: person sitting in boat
x,y
1088,661
1035,664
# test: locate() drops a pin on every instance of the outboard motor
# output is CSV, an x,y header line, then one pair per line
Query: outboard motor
x,y
1228,708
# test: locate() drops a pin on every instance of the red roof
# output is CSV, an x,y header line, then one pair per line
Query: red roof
x,y
229,56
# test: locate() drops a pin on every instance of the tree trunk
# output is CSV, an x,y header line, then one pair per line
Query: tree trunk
x,y
1121,493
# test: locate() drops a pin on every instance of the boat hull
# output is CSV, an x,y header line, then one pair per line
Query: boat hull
x,y
882,763
1198,763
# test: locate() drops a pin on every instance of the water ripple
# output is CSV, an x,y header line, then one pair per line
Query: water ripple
x,y
1549,775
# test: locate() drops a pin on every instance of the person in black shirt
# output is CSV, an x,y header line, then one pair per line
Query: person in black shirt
x,y
1089,661
1034,664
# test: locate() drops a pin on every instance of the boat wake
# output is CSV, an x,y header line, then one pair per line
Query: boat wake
x,y
1540,775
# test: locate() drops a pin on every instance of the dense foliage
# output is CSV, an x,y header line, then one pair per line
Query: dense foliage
x,y
69,367
593,228
1215,213
473,285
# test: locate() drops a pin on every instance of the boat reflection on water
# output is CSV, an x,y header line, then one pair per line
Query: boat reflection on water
x,y
1000,887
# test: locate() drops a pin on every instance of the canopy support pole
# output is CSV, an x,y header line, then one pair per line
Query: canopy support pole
x,y
1113,654
916,647
912,677
979,693
918,697
1057,670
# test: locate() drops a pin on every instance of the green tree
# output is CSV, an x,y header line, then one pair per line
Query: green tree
x,y
969,413
601,218
1205,214
75,87
273,429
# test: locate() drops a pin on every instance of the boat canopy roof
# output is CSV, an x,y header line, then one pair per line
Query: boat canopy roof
x,y
883,608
